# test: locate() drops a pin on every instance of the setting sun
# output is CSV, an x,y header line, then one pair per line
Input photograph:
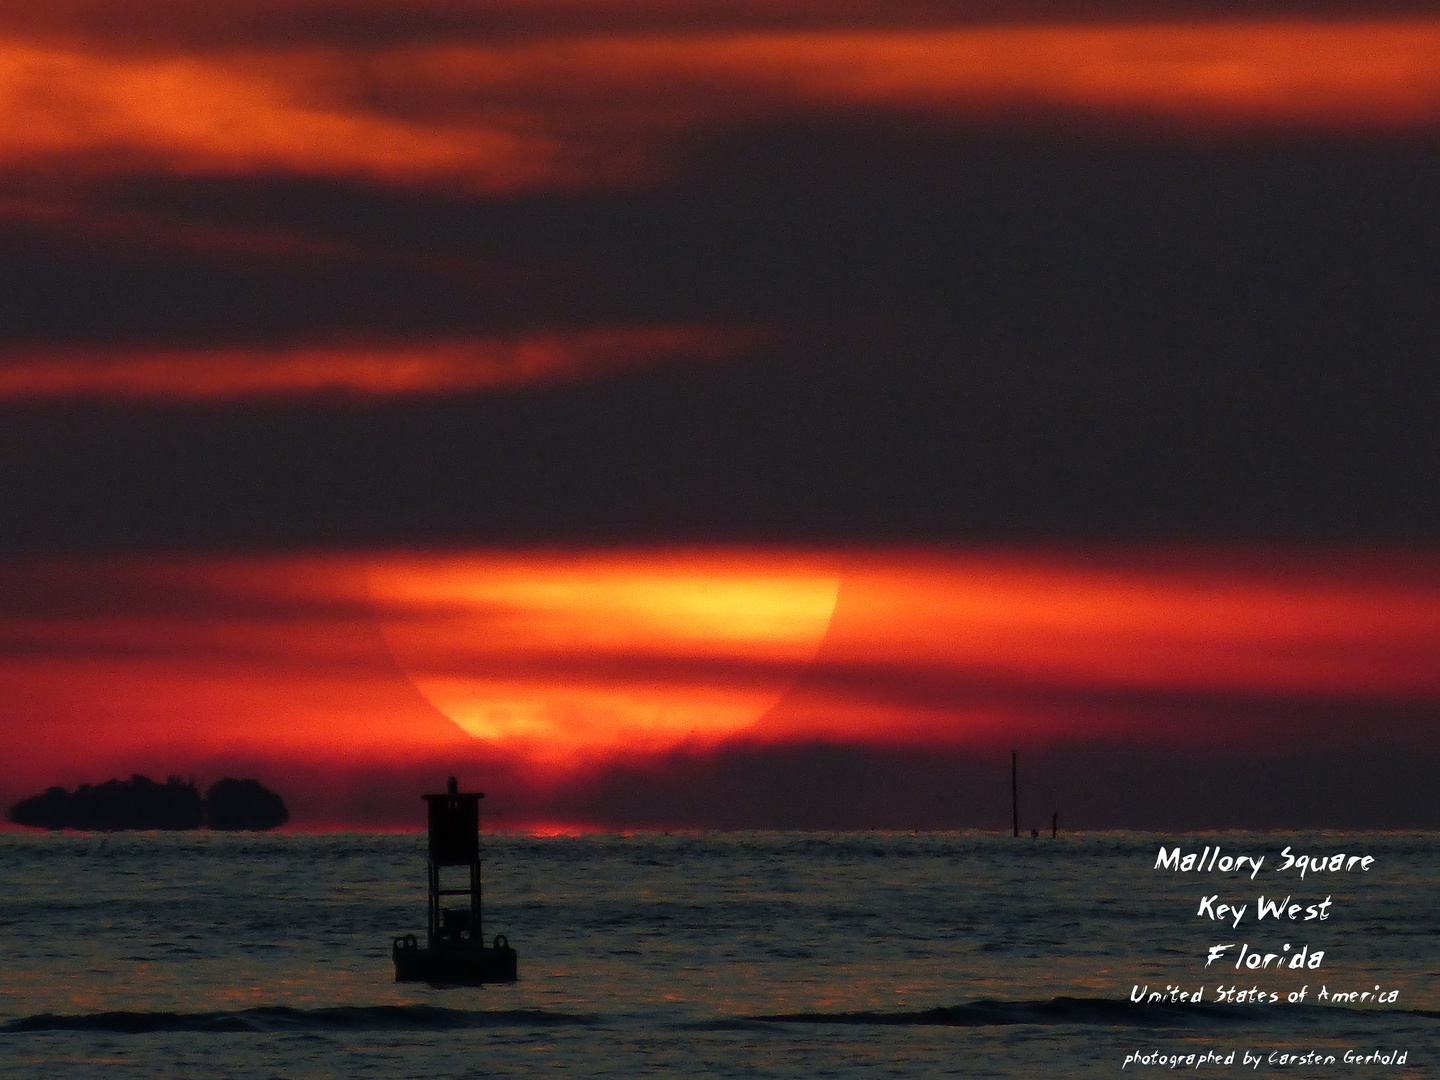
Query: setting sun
x,y
564,656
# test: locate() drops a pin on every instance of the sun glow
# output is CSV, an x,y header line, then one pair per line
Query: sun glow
x,y
564,656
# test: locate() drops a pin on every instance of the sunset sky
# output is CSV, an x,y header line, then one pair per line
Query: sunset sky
x,y
765,414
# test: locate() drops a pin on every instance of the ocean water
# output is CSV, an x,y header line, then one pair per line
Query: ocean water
x,y
724,954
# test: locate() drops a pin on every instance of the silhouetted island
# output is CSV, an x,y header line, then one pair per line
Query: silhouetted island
x,y
140,803
243,804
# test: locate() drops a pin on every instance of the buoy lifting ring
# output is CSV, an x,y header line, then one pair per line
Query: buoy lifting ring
x,y
501,941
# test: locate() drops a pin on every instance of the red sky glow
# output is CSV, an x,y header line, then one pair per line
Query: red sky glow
x,y
761,414
549,662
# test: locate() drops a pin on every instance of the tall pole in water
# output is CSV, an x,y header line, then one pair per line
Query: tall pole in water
x,y
1014,795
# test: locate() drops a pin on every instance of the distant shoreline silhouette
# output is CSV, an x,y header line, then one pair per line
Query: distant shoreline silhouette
x,y
141,803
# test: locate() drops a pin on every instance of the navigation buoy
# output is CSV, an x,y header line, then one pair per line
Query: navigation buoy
x,y
455,949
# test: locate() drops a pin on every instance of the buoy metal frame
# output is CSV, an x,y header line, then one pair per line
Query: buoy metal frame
x,y
455,951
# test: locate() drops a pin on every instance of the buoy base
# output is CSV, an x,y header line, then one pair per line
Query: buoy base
x,y
457,965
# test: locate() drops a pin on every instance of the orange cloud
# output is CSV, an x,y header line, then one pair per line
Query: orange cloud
x,y
1344,73
361,370
965,645
594,108
233,115
1325,73
1284,626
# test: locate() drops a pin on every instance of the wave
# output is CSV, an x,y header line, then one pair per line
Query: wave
x,y
279,1018
985,1013
1068,1010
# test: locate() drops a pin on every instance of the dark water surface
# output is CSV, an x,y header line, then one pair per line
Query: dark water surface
x,y
735,954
